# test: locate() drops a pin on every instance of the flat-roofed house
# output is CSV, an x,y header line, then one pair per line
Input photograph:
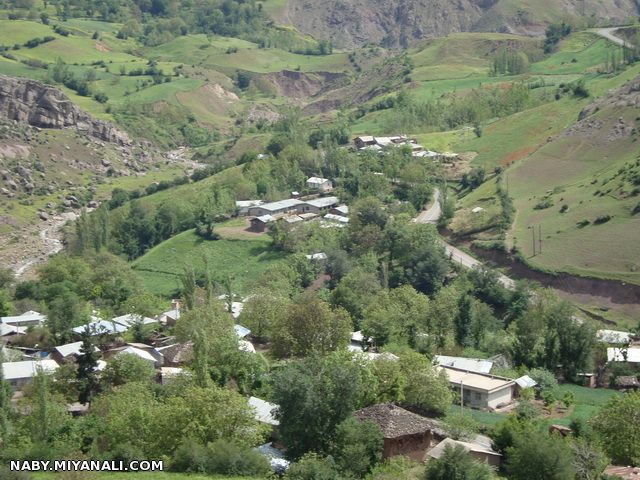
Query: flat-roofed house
x,y
625,355
364,141
476,365
405,433
483,453
480,390
320,205
26,319
614,337
290,205
319,184
243,206
18,374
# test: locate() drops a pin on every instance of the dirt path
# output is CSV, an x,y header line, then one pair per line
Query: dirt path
x,y
35,244
609,34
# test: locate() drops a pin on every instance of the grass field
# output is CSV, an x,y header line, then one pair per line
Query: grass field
x,y
570,171
242,260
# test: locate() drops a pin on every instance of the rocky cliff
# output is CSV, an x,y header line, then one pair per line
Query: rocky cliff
x,y
392,23
39,105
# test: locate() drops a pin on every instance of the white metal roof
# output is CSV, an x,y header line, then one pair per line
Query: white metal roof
x,y
249,203
265,218
100,326
264,410
281,205
629,355
526,381
130,319
476,365
71,349
143,354
613,336
317,256
241,331
438,450
336,218
7,329
343,209
323,202
27,317
27,368
317,180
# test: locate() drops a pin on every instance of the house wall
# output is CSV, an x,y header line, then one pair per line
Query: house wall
x,y
500,397
493,460
412,446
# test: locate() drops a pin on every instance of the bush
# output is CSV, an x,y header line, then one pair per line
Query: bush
x,y
602,219
544,378
583,223
313,467
564,208
220,457
546,203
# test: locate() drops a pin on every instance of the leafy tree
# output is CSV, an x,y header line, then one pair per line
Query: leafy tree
x,y
355,291
127,368
428,388
539,456
262,311
390,381
589,461
457,464
311,326
86,373
460,426
64,312
358,446
316,395
313,467
617,425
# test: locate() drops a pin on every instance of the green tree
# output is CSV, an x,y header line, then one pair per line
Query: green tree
x,y
539,456
262,311
589,461
617,425
313,467
457,464
358,447
315,395
127,368
65,311
355,291
311,326
86,374
5,402
428,388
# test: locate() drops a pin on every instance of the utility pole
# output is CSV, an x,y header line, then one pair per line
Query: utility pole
x,y
461,398
539,238
533,238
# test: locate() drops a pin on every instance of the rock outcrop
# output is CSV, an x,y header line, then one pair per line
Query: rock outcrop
x,y
44,106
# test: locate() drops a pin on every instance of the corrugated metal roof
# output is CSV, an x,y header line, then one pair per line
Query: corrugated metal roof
x,y
613,336
27,369
629,355
477,381
263,410
476,365
526,381
323,202
281,204
241,331
71,349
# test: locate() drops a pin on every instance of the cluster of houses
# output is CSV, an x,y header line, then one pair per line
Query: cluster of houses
x,y
381,144
165,354
326,209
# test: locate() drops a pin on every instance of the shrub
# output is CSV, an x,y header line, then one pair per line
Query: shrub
x,y
221,457
583,223
544,378
546,203
564,208
313,467
602,219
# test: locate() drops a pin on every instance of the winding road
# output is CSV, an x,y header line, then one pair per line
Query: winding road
x,y
608,33
432,215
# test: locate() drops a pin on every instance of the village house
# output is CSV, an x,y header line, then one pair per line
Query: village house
x,y
626,355
167,374
364,141
131,319
243,206
404,432
337,219
290,205
10,332
170,317
319,184
177,354
18,374
259,224
475,365
480,390
68,352
613,337
27,319
140,350
100,327
480,451
319,205
342,210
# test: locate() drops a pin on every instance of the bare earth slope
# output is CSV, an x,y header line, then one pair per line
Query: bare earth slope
x,y
349,23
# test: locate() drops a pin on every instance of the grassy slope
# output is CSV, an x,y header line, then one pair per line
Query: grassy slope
x,y
570,164
241,259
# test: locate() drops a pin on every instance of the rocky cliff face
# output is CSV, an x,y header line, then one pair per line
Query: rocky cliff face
x,y
393,23
39,105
